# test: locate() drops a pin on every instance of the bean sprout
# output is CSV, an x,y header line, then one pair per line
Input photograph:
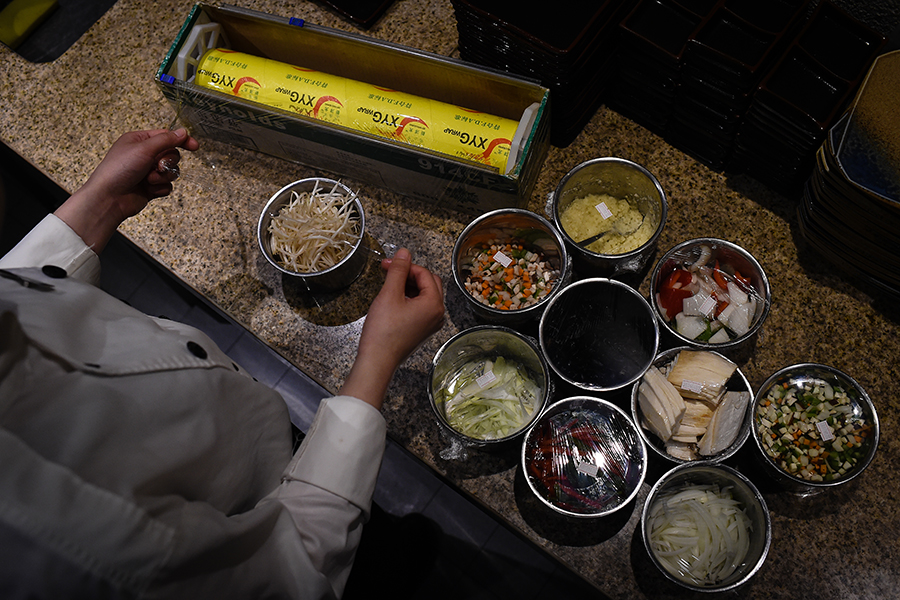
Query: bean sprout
x,y
315,230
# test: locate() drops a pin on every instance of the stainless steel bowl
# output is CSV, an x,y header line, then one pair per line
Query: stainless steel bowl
x,y
486,342
624,180
336,277
502,226
737,383
862,415
730,256
599,334
584,458
744,492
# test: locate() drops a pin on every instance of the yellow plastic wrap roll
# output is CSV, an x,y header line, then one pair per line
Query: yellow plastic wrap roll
x,y
448,129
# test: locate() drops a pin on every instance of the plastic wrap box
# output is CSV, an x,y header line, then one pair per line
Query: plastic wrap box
x,y
406,169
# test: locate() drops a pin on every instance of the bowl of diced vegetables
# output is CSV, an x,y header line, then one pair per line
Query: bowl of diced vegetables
x,y
706,527
693,405
815,427
710,293
584,458
487,385
508,264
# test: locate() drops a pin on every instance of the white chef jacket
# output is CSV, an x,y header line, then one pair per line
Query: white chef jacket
x,y
138,461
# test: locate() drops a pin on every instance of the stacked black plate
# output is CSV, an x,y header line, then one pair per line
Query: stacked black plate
x,y
567,48
724,62
850,213
802,97
652,40
364,13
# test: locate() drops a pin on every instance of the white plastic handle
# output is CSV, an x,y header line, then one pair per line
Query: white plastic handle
x,y
202,38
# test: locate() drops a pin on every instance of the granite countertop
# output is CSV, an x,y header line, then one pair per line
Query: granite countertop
x,y
62,116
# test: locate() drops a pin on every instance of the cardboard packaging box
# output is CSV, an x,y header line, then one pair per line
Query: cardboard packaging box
x,y
410,170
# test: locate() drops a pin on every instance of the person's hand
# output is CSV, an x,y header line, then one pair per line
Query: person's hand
x,y
140,166
408,309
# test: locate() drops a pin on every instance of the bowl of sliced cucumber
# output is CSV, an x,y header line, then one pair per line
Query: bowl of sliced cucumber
x,y
487,385
815,427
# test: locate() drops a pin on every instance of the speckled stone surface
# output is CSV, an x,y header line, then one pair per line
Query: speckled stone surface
x,y
62,117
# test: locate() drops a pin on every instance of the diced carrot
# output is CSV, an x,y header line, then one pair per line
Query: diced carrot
x,y
719,277
720,307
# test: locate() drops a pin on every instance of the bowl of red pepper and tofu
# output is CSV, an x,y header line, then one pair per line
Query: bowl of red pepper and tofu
x,y
508,264
815,427
710,293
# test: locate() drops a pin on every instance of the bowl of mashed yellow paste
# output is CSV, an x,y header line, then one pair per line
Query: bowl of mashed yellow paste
x,y
610,212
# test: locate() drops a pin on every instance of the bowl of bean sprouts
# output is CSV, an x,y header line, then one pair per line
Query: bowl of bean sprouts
x,y
706,527
313,229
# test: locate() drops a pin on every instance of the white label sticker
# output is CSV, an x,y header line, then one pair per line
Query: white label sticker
x,y
825,431
604,211
708,305
692,386
486,379
503,259
588,469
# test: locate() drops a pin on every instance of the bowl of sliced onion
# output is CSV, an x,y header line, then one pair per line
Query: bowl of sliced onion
x,y
313,229
706,527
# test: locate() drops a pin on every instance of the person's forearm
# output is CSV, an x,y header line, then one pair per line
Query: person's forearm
x,y
94,220
369,379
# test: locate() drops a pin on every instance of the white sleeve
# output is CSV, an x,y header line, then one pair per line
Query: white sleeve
x,y
328,486
52,242
346,438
